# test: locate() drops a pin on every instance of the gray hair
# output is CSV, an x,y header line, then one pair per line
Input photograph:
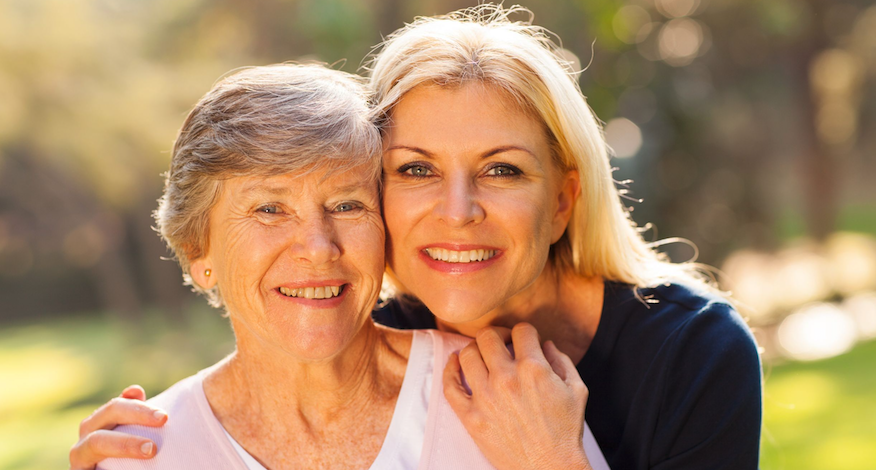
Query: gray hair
x,y
258,121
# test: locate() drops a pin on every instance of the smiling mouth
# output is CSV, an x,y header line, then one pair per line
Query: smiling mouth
x,y
322,292
467,256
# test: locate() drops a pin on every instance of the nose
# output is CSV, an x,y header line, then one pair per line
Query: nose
x,y
458,204
315,242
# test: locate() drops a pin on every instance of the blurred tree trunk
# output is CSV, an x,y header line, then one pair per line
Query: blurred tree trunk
x,y
819,170
162,277
115,284
53,205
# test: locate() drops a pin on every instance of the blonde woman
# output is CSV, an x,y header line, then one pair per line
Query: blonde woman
x,y
500,210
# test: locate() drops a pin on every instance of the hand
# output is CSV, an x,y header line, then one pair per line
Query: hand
x,y
525,411
96,440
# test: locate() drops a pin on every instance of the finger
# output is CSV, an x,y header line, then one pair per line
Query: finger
x,y
454,390
526,343
103,444
474,371
122,411
134,392
505,333
493,350
560,362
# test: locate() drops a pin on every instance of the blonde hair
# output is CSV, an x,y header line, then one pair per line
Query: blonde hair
x,y
482,45
269,120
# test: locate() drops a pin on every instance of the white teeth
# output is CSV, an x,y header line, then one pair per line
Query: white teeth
x,y
471,256
321,292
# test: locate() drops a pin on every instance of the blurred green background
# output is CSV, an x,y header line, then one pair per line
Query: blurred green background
x,y
747,126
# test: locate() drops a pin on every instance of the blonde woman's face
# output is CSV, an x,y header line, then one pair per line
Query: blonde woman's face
x,y
472,199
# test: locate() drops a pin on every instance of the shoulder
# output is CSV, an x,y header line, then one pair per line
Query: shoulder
x,y
443,345
696,374
684,334
191,438
711,387
673,312
450,342
704,322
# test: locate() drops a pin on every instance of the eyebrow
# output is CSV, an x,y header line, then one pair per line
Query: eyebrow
x,y
283,190
487,154
260,187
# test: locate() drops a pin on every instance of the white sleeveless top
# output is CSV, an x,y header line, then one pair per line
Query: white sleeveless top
x,y
424,432
413,421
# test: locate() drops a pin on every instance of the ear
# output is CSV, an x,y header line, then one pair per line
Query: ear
x,y
202,273
570,189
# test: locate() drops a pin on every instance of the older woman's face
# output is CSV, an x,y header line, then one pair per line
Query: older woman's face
x,y
472,199
298,259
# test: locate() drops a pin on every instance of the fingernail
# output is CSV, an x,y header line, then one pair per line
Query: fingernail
x,y
159,415
146,448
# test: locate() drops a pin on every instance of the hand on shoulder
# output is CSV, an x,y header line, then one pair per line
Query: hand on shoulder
x,y
525,410
97,440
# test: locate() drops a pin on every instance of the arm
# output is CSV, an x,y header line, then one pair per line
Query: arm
x,y
710,408
97,441
523,412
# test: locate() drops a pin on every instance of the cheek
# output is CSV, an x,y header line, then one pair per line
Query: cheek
x,y
246,255
525,215
365,241
399,213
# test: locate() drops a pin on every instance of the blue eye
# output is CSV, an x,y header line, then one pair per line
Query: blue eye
x,y
503,170
416,170
269,210
346,207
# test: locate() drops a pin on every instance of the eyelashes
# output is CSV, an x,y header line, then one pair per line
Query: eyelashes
x,y
341,208
416,170
421,170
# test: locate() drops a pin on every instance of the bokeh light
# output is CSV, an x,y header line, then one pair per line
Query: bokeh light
x,y
816,332
677,8
680,41
624,137
632,24
862,307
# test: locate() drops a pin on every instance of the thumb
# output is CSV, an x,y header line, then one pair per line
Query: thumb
x,y
134,392
454,390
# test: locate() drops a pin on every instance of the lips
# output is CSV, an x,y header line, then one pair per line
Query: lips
x,y
321,293
464,256
457,258
315,292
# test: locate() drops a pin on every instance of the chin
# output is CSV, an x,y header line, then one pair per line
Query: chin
x,y
315,344
459,309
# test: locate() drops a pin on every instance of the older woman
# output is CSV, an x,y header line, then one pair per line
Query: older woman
x,y
500,208
272,209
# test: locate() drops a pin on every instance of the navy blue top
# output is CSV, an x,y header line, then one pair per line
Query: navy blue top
x,y
674,379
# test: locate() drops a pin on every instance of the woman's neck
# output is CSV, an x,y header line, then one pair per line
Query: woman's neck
x,y
260,396
563,308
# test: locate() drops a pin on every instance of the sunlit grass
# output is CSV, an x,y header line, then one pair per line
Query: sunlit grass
x,y
819,415
55,374
822,415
